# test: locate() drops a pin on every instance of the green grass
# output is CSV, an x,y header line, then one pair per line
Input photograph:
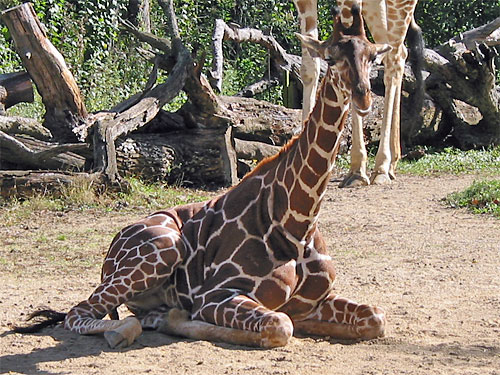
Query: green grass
x,y
454,161
481,197
434,162
83,195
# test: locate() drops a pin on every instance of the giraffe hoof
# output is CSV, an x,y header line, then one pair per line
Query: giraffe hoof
x,y
277,331
115,340
125,334
354,180
380,179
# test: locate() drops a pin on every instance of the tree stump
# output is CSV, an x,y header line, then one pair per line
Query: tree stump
x,y
64,106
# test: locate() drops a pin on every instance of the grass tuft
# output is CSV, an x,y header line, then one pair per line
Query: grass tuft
x,y
481,197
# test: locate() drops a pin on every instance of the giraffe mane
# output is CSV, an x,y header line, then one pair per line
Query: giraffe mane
x,y
261,166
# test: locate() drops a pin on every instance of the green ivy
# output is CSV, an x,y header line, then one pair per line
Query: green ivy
x,y
108,68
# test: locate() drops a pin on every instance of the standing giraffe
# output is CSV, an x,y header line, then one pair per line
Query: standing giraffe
x,y
250,266
388,22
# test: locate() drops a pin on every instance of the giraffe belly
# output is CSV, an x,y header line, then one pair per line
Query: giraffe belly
x,y
162,295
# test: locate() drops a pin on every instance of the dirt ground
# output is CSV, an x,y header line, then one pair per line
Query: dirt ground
x,y
435,270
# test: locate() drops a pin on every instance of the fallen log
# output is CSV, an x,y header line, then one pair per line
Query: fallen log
x,y
257,120
255,151
15,88
190,157
30,153
24,184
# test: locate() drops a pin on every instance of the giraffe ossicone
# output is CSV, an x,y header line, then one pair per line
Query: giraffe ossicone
x,y
249,267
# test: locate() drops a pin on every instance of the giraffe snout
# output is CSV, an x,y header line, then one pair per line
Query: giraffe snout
x,y
361,90
362,104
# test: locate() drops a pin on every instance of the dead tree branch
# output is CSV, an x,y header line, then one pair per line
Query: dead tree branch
x,y
15,88
488,34
20,125
224,32
31,153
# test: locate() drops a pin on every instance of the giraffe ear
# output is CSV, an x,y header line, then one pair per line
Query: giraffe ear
x,y
381,51
315,47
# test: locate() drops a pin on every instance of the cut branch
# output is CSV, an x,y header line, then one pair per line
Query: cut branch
x,y
15,88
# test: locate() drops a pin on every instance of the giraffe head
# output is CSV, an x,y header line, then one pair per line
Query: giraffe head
x,y
351,54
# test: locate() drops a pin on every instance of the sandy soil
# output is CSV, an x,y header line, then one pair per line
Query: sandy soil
x,y
434,269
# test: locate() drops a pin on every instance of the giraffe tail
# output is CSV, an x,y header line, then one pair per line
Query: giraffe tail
x,y
49,318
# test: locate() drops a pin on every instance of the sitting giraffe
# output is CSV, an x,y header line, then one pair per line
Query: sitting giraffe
x,y
389,21
250,266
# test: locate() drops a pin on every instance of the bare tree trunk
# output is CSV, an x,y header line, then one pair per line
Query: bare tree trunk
x,y
64,106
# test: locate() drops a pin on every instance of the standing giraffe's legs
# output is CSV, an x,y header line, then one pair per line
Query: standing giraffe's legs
x,y
310,68
390,27
341,318
141,257
388,22
357,174
389,151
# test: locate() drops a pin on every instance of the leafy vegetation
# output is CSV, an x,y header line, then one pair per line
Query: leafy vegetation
x,y
454,161
441,20
481,197
109,69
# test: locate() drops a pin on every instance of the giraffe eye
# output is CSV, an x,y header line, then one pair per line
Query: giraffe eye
x,y
330,61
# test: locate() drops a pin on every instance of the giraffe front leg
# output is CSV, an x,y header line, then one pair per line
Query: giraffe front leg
x,y
235,320
86,319
389,151
341,318
140,260
357,174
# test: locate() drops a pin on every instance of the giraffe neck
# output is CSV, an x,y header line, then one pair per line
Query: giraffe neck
x,y
305,171
289,187
280,199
